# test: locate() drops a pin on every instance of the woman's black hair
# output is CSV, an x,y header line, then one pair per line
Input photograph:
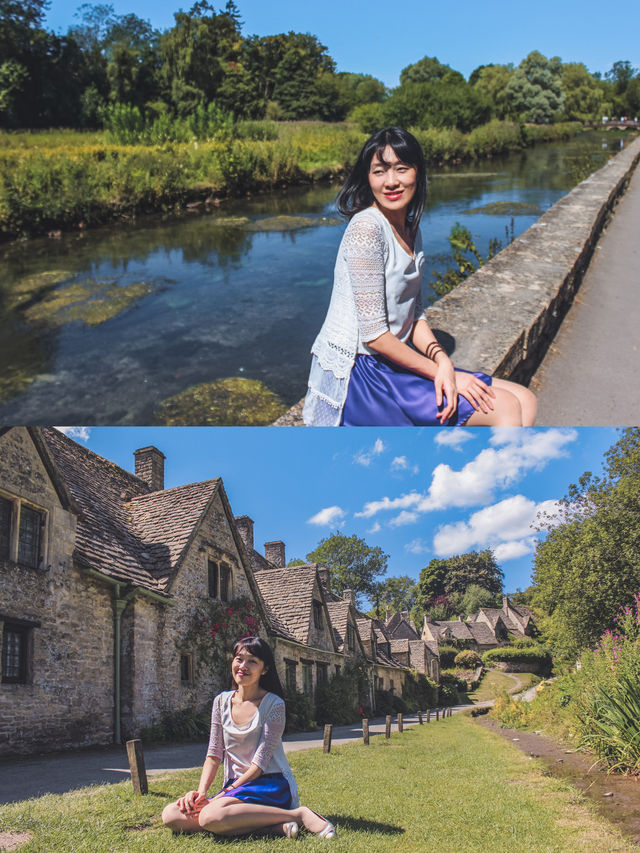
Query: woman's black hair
x,y
356,194
259,648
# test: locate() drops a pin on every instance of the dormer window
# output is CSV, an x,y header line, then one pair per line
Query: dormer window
x,y
219,580
317,614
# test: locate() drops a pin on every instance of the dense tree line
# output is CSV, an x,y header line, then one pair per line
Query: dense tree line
x,y
107,59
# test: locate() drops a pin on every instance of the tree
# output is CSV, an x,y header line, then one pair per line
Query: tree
x,y
449,102
475,597
589,563
583,95
535,91
621,74
398,594
428,70
476,567
352,563
492,81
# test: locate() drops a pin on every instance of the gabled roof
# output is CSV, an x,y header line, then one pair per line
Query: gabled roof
x,y
482,633
339,613
399,626
105,540
460,630
288,594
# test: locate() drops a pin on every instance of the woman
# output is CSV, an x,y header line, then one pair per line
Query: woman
x,y
259,793
376,362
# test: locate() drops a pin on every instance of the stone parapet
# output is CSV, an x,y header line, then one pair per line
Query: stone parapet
x,y
503,317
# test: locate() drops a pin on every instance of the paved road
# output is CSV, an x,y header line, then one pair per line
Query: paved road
x,y
589,376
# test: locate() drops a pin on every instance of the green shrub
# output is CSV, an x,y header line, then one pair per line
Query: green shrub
x,y
179,726
388,703
533,655
447,656
299,712
467,659
256,130
451,689
337,700
419,692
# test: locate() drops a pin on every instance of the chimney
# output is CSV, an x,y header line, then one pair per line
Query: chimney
x,y
244,525
325,578
387,614
149,462
348,595
505,604
274,553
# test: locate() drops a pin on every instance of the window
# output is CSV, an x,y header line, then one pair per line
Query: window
x,y
31,523
290,674
219,580
323,675
307,678
391,685
15,641
213,578
186,669
380,683
317,614
5,528
351,637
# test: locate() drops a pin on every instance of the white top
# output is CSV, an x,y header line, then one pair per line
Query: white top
x,y
258,742
376,289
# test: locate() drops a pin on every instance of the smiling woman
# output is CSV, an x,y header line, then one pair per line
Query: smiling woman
x,y
376,362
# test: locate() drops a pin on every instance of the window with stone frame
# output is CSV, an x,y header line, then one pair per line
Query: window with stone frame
x,y
307,677
290,674
380,682
213,575
186,669
317,614
322,673
225,582
351,637
15,651
6,508
219,580
30,536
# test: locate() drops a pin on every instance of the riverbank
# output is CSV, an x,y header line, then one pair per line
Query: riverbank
x,y
56,181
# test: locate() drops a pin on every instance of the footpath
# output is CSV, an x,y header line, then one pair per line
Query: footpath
x,y
591,368
57,773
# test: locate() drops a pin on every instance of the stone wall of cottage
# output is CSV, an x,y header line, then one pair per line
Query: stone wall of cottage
x,y
285,651
68,698
155,632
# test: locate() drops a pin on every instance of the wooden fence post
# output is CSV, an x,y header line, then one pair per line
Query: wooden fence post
x,y
326,745
420,717
400,723
387,727
428,715
437,713
136,765
365,731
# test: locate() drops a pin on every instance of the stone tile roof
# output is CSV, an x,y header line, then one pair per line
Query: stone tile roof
x,y
105,540
399,626
288,594
399,646
339,614
460,630
482,633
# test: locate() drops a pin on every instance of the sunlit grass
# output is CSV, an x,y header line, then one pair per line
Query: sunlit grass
x,y
449,787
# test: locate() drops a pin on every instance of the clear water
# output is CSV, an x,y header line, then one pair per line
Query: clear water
x,y
217,302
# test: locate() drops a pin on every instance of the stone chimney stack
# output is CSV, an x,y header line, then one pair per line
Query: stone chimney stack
x,y
325,578
505,603
149,462
387,613
244,524
274,553
349,596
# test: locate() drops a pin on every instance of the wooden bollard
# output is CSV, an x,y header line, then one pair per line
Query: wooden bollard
x,y
365,731
326,744
400,723
437,713
420,717
428,715
387,727
136,765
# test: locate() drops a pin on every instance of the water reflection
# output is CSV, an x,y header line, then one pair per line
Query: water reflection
x,y
104,326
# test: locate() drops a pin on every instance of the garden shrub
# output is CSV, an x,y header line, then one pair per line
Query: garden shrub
x,y
299,712
419,692
447,656
185,725
388,703
467,659
534,655
337,700
450,688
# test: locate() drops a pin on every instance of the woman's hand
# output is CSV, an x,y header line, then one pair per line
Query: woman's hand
x,y
477,392
445,383
192,803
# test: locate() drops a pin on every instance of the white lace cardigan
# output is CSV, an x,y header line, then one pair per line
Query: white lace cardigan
x,y
376,288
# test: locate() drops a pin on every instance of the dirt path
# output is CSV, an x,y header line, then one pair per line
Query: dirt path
x,y
617,797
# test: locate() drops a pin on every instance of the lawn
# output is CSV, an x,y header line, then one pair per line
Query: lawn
x,y
449,787
493,683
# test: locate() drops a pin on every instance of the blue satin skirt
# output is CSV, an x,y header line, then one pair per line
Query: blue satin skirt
x,y
383,394
270,789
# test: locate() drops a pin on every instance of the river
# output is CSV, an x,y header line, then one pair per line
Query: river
x,y
102,326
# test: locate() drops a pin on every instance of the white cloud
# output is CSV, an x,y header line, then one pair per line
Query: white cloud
x,y
365,457
327,516
508,521
401,463
417,546
518,451
511,550
403,518
453,438
77,433
376,528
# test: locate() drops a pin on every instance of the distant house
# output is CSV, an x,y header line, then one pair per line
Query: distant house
x,y
102,575
409,648
484,630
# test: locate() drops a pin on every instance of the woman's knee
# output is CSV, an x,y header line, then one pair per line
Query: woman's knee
x,y
211,818
526,398
172,816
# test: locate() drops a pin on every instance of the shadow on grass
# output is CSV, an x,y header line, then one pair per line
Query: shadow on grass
x,y
362,825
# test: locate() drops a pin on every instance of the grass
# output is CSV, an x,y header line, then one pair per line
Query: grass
x,y
494,683
445,787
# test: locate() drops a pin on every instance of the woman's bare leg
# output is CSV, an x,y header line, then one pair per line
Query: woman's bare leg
x,y
527,399
228,816
178,821
507,409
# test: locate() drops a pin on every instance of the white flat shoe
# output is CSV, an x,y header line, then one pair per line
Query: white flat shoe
x,y
291,829
328,830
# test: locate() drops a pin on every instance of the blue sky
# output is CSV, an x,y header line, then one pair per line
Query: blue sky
x,y
418,493
380,38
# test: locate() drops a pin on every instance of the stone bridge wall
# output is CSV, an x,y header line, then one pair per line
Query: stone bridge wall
x,y
503,317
